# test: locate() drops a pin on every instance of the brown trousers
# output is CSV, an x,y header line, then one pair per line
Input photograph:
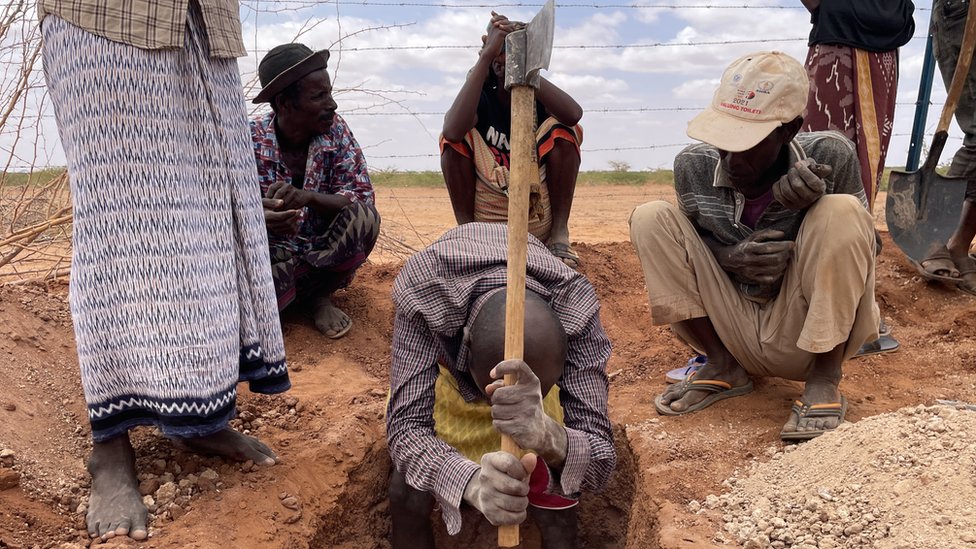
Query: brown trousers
x,y
827,295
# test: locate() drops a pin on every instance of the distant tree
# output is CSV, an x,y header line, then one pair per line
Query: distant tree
x,y
619,166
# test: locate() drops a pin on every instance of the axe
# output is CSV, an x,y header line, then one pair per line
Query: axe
x,y
527,52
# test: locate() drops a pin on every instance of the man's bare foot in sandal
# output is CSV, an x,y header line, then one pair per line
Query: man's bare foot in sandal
x,y
229,444
961,241
817,392
681,397
115,506
329,319
938,264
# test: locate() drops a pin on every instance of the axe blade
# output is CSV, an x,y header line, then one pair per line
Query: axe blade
x,y
529,49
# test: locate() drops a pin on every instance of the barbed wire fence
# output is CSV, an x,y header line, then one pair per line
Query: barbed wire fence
x,y
35,210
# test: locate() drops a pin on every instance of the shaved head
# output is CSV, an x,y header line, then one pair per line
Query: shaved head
x,y
545,340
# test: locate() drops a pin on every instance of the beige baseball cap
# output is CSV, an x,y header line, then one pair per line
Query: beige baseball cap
x,y
758,93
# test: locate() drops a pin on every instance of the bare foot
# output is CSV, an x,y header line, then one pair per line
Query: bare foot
x,y
231,445
115,507
733,374
816,391
329,319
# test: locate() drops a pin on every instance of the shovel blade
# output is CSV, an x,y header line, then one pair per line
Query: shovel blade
x,y
922,208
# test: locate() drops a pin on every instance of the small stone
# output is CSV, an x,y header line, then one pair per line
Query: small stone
x,y
10,407
247,466
8,478
291,502
166,493
210,475
149,486
853,529
159,466
294,518
7,453
291,401
176,511
711,501
968,537
82,509
943,521
825,495
694,506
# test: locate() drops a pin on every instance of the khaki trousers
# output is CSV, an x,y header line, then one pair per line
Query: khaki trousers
x,y
827,295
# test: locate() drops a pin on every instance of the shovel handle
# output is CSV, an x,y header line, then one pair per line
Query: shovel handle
x,y
524,170
962,70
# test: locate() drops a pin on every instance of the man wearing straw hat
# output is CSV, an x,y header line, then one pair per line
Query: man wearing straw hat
x,y
447,404
767,263
318,199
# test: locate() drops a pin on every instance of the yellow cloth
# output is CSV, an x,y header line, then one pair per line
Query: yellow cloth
x,y
467,426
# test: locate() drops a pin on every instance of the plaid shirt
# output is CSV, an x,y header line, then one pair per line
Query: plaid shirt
x,y
707,197
335,166
433,294
152,24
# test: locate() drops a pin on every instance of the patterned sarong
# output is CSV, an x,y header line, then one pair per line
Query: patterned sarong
x,y
491,191
171,293
853,91
328,261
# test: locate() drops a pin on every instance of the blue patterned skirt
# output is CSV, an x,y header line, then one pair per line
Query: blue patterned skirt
x,y
171,291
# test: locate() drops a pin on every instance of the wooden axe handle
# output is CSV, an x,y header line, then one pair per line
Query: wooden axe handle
x,y
524,170
961,73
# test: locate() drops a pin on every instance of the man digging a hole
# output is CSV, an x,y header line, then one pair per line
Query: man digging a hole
x,y
767,263
448,405
475,148
318,198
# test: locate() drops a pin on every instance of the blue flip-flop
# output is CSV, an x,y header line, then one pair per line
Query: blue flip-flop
x,y
694,364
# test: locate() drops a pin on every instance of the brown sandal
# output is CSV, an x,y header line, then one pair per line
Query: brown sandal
x,y
938,265
967,268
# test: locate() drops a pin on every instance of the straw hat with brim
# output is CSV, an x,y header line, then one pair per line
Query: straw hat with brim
x,y
286,64
758,93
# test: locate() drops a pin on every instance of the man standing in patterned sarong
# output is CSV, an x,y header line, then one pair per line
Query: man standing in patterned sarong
x,y
171,297
318,199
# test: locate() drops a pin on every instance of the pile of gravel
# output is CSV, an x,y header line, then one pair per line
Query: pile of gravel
x,y
901,480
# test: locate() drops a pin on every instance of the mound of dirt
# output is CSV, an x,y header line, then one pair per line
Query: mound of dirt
x,y
899,480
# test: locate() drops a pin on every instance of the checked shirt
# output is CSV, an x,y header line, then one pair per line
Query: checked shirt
x,y
433,295
152,24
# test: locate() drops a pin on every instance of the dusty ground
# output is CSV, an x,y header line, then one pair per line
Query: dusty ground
x,y
329,490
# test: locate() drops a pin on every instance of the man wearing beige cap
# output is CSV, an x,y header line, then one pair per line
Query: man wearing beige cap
x,y
767,263
318,198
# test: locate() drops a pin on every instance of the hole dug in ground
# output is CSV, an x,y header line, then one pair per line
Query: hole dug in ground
x,y
361,517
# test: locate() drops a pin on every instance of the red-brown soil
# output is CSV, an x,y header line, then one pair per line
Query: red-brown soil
x,y
329,490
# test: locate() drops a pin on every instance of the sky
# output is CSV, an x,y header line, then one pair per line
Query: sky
x,y
640,70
